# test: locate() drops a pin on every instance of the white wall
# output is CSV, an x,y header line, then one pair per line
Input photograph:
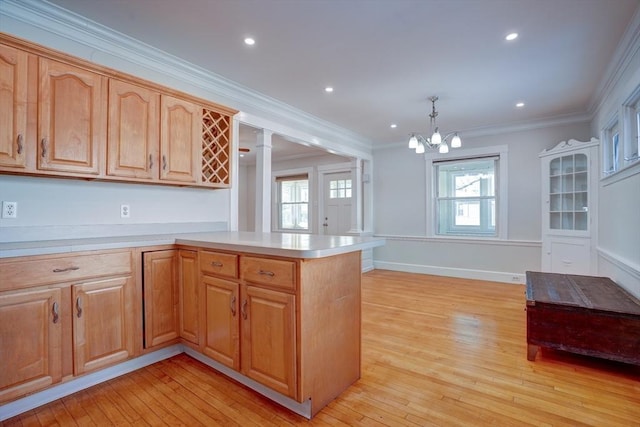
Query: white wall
x,y
400,207
619,194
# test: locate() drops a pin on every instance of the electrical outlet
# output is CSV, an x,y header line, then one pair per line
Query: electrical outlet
x,y
515,279
125,211
9,209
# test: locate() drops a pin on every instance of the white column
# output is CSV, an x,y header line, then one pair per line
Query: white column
x,y
234,194
356,189
263,182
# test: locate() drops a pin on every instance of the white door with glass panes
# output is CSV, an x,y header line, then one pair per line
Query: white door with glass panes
x,y
569,190
338,197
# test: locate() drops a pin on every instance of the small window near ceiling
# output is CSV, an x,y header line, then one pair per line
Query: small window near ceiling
x,y
466,196
611,148
340,189
293,202
633,146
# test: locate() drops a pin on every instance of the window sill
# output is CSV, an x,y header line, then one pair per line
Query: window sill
x,y
624,173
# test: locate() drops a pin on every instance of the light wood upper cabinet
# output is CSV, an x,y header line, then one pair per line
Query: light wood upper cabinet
x,y
13,106
71,118
30,346
160,297
102,326
180,138
132,140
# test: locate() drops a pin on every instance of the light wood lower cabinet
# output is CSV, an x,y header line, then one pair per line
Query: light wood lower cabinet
x,y
64,315
221,321
31,345
189,296
160,297
269,338
101,323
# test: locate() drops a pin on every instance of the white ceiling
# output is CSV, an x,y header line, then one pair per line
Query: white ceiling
x,y
385,57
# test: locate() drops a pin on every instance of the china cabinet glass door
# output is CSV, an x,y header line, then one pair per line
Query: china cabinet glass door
x,y
568,193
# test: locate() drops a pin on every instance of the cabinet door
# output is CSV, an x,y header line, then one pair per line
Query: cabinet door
x,y
30,342
268,338
132,140
160,297
71,118
13,106
189,301
221,338
102,323
180,140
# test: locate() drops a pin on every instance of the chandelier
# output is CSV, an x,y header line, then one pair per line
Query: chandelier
x,y
419,143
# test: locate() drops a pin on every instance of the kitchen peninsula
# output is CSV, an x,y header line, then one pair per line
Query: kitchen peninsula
x,y
279,313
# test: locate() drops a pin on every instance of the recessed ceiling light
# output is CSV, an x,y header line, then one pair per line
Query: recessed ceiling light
x,y
511,36
328,89
393,126
520,104
249,41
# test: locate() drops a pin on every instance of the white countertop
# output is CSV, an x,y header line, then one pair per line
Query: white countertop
x,y
278,244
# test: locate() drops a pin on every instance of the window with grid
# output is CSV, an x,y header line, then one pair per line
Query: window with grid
x,y
340,189
293,202
466,198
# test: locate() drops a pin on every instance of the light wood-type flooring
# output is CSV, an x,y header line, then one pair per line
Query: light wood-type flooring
x,y
435,352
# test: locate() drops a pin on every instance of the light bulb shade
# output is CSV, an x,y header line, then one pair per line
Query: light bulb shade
x,y
444,148
413,142
420,148
436,139
456,142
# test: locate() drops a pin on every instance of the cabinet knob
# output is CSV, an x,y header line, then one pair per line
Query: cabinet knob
x,y
79,306
233,306
216,264
243,310
164,162
55,313
266,273
150,161
43,144
19,143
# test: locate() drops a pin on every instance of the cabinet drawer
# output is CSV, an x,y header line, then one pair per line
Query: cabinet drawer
x,y
36,271
219,264
271,272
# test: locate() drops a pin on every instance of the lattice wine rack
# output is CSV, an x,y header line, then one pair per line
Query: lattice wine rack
x,y
216,148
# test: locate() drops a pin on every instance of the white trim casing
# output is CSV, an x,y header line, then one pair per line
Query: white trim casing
x,y
499,150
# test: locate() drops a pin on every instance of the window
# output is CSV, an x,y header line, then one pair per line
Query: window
x,y
632,143
611,147
466,196
467,191
293,202
340,189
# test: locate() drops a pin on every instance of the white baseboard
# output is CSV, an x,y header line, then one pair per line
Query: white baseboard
x,y
493,276
303,409
32,401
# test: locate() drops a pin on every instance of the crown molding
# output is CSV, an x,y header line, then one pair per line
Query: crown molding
x,y
529,125
627,48
82,32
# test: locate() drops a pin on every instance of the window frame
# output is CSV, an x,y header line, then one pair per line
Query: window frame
x,y
288,175
611,146
501,152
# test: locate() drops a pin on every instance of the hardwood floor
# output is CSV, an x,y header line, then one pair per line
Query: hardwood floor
x,y
436,351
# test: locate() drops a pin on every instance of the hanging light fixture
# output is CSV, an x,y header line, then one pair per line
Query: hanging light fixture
x,y
420,143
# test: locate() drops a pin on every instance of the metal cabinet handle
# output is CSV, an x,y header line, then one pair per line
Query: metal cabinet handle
x,y
244,309
55,313
19,143
216,264
79,306
150,161
62,270
43,143
233,306
266,273
164,162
